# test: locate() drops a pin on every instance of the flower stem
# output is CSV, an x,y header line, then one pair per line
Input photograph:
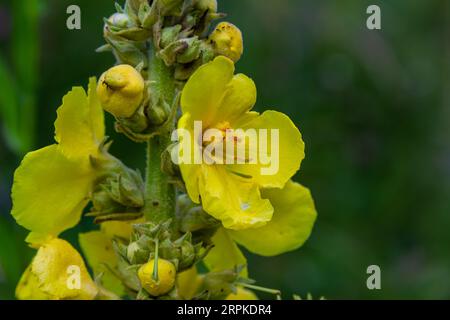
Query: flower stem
x,y
160,193
262,289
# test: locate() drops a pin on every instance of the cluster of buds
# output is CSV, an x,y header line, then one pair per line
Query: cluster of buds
x,y
191,217
176,32
157,247
119,191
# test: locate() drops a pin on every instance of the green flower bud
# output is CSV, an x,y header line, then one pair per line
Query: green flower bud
x,y
182,51
169,35
206,5
136,253
167,165
192,52
184,71
170,7
126,51
131,192
103,203
120,21
218,285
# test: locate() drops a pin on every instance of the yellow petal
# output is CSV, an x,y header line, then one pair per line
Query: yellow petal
x,y
79,127
54,273
225,255
188,283
240,97
118,229
28,287
99,253
290,226
286,155
203,93
234,200
189,170
50,191
96,111
242,294
36,239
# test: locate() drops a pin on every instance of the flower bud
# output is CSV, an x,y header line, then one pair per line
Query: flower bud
x,y
170,7
121,91
126,51
192,51
165,281
207,5
227,41
169,35
135,252
120,21
219,285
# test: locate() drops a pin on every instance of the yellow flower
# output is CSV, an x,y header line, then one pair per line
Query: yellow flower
x,y
227,41
121,90
53,184
166,277
290,227
56,272
231,192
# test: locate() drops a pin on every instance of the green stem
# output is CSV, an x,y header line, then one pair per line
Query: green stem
x,y
262,289
160,192
155,265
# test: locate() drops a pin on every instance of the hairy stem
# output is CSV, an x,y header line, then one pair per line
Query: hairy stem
x,y
160,193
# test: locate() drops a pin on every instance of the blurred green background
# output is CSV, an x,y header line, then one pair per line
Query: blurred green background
x,y
373,107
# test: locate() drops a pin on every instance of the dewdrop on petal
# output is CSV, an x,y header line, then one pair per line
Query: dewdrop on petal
x,y
166,277
227,41
121,90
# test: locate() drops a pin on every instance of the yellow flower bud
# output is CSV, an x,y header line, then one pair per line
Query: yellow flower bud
x,y
121,90
165,281
227,41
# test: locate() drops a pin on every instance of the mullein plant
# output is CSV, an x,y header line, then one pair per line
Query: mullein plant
x,y
156,231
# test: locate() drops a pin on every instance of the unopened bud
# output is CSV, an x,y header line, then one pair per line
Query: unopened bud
x,y
170,7
227,41
207,5
120,21
121,90
165,281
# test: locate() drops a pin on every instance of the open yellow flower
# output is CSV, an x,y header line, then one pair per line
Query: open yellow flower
x,y
57,272
53,184
231,192
290,227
